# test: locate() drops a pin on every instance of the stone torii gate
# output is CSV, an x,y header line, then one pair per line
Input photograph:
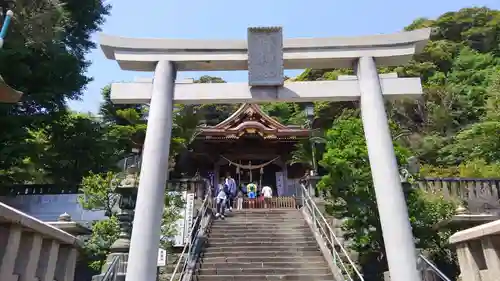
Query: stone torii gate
x,y
265,54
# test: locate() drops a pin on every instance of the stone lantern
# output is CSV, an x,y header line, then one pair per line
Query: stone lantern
x,y
198,186
311,180
127,190
65,223
406,174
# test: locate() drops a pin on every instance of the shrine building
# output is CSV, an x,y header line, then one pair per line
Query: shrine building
x,y
252,147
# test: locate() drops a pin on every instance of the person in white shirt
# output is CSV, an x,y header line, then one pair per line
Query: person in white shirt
x,y
267,192
220,199
239,205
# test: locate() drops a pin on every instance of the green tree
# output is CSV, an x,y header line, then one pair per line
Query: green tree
x,y
349,188
104,234
99,194
44,57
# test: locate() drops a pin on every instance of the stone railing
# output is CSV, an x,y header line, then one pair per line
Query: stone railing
x,y
33,250
478,196
478,251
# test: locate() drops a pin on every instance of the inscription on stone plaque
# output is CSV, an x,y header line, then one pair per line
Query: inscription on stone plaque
x,y
265,56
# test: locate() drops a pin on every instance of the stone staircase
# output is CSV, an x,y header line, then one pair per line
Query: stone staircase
x,y
262,244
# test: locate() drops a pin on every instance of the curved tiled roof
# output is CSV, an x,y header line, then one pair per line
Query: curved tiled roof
x,y
250,119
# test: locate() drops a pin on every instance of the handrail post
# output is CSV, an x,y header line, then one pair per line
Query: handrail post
x,y
314,217
333,248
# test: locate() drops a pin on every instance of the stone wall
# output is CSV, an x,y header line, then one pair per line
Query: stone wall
x,y
31,249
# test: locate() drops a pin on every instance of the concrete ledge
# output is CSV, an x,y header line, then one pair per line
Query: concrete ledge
x,y
338,90
141,54
14,216
487,229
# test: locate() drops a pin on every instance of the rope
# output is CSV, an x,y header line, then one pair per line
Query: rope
x,y
250,166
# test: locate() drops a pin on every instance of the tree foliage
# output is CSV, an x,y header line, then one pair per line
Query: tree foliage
x,y
350,193
44,57
453,131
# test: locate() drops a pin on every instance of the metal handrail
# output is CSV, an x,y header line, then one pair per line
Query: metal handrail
x,y
193,236
112,271
321,224
430,265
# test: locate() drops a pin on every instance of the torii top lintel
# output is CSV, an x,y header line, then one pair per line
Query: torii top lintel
x,y
142,54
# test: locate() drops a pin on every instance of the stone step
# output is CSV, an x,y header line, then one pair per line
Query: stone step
x,y
293,263
264,213
262,259
264,217
263,242
310,252
289,215
261,235
277,277
272,210
277,228
263,271
282,249
229,222
260,239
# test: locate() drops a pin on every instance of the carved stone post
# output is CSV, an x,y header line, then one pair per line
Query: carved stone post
x,y
127,190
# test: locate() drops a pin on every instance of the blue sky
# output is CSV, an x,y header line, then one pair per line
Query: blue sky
x,y
229,19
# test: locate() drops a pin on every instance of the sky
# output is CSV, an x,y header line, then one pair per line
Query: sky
x,y
229,19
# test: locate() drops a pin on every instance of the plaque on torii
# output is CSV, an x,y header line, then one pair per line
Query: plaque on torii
x,y
265,56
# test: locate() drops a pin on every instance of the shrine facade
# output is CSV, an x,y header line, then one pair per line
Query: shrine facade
x,y
253,147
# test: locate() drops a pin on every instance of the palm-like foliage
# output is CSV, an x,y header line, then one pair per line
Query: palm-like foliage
x,y
184,127
306,152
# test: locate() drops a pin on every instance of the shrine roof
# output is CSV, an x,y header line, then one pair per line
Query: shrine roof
x,y
250,119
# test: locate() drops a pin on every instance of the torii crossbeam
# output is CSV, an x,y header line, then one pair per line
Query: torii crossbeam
x,y
265,54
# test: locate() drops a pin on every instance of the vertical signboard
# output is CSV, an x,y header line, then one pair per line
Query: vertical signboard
x,y
162,258
185,221
178,239
188,221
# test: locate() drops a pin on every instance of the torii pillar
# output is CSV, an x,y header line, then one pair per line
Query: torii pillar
x,y
265,55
